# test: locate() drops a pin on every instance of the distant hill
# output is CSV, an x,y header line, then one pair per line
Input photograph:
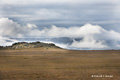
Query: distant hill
x,y
25,45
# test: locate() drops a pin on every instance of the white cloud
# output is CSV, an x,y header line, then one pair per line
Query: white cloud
x,y
8,27
6,41
31,26
12,29
92,36
89,42
79,31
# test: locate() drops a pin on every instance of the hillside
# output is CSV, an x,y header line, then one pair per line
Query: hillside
x,y
24,45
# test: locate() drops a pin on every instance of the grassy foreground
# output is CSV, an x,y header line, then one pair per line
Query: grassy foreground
x,y
58,64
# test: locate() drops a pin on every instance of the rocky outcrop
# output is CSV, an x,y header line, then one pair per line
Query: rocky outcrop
x,y
24,45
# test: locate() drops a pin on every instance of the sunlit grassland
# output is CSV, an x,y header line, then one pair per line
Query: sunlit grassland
x,y
58,64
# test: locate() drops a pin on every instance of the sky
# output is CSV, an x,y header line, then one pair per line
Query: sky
x,y
61,11
80,22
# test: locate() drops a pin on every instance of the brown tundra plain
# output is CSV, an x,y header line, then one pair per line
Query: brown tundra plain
x,y
59,64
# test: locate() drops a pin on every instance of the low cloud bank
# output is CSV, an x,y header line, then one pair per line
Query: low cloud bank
x,y
87,36
6,41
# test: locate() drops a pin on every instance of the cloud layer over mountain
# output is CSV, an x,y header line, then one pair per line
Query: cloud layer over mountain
x,y
87,36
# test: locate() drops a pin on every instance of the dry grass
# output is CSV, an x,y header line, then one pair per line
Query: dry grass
x,y
57,64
